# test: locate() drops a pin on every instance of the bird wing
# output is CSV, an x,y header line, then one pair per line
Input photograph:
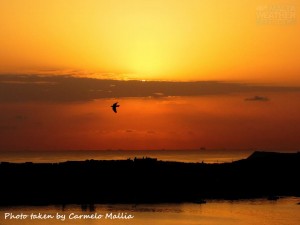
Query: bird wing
x,y
114,106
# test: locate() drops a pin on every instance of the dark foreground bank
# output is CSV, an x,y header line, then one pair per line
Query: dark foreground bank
x,y
263,174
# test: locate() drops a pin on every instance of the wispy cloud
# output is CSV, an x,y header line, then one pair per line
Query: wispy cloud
x,y
129,131
63,88
257,98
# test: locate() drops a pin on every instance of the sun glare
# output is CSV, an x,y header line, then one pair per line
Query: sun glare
x,y
155,40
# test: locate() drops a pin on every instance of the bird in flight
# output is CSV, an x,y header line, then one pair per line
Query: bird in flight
x,y
114,107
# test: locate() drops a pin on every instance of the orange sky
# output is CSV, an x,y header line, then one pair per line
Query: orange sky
x,y
180,123
160,40
242,42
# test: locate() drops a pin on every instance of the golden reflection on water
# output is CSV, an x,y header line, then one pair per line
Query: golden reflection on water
x,y
244,212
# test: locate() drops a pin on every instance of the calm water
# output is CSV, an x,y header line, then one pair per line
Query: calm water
x,y
244,212
208,156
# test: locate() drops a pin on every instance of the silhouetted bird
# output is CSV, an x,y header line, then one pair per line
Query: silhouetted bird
x,y
114,107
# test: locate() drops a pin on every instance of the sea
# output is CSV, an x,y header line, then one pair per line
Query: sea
x,y
284,211
206,156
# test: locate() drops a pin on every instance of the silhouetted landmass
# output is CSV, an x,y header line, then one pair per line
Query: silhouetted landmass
x,y
263,174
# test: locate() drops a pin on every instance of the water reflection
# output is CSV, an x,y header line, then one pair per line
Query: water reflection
x,y
241,212
88,207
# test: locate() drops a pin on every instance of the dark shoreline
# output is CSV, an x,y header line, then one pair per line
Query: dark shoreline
x,y
261,175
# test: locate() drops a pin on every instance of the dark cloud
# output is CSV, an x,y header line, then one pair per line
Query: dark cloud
x,y
129,131
151,132
22,88
257,98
